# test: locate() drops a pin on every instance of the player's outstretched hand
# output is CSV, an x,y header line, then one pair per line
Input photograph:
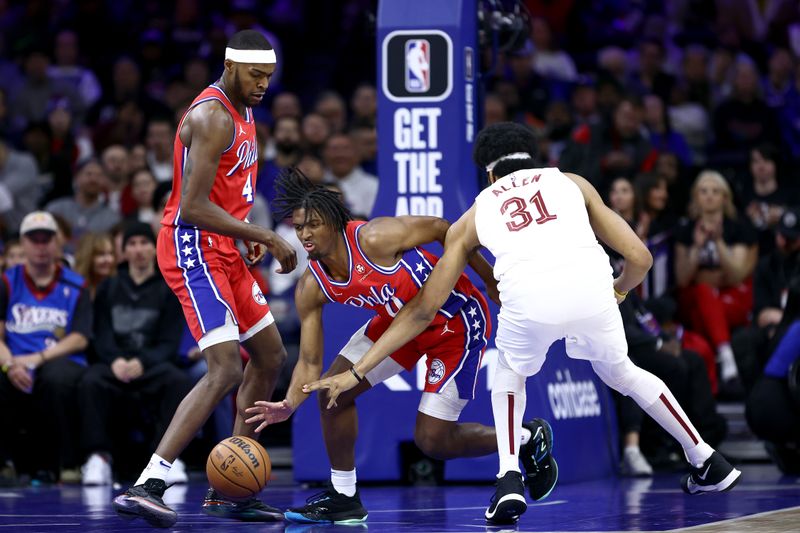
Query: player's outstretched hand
x,y
268,413
283,252
255,252
336,385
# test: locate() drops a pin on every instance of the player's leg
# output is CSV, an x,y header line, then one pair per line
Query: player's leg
x,y
601,339
267,356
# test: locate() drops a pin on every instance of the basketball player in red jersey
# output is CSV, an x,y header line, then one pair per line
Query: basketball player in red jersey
x,y
379,265
213,185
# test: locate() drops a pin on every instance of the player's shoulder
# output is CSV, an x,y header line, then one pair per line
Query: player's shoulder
x,y
308,292
211,113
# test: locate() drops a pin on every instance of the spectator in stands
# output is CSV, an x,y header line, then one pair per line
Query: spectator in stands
x,y
86,210
764,198
694,71
143,185
584,104
19,189
288,150
662,136
365,138
715,254
770,287
773,406
609,149
316,131
46,319
38,90
330,105
65,150
284,105
779,83
13,254
137,331
743,120
651,77
364,105
360,189
116,165
548,61
95,260
68,72
655,226
494,109
622,199
160,141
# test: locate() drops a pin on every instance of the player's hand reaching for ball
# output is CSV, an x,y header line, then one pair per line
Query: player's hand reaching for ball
x,y
282,251
268,413
336,385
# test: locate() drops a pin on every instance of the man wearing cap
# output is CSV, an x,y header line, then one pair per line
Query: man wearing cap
x,y
213,189
137,333
45,326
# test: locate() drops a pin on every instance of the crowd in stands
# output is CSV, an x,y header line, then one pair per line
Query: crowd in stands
x,y
684,114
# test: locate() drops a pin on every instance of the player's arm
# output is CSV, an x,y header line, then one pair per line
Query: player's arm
x,y
615,232
211,129
416,315
391,236
309,301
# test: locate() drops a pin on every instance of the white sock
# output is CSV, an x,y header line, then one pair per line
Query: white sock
x,y
727,362
668,413
508,407
525,436
344,481
157,468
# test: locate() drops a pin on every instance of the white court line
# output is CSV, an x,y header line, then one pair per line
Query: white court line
x,y
733,520
739,488
554,502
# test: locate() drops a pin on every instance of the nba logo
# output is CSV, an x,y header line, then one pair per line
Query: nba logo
x,y
418,65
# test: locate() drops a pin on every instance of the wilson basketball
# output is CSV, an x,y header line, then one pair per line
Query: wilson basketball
x,y
238,468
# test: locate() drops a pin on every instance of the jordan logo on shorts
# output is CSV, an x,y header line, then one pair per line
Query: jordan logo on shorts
x,y
447,329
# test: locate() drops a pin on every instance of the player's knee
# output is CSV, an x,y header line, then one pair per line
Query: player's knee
x,y
223,379
431,442
270,361
630,380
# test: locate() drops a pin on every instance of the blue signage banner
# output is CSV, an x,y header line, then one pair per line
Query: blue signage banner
x,y
426,127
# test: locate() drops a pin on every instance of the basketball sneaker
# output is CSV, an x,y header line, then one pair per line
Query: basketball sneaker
x,y
508,502
146,501
541,469
715,475
250,510
329,506
96,471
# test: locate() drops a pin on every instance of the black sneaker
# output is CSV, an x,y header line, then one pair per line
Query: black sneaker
x,y
249,510
716,475
508,502
329,506
146,501
541,469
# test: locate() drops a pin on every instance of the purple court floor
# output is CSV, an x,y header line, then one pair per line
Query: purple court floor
x,y
764,501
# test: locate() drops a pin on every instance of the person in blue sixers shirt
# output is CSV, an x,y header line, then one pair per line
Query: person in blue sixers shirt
x,y
45,325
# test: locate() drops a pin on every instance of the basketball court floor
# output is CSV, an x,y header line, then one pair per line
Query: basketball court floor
x,y
764,501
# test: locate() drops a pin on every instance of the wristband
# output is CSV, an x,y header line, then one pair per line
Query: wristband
x,y
6,366
620,294
353,371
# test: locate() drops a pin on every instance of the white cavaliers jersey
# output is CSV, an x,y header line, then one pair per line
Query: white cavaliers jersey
x,y
549,266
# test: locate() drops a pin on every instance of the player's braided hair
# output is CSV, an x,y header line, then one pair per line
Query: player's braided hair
x,y
293,190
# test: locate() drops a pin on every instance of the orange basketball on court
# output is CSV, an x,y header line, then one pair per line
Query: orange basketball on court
x,y
238,468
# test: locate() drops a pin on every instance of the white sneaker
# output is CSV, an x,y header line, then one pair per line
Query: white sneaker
x,y
177,474
96,471
634,463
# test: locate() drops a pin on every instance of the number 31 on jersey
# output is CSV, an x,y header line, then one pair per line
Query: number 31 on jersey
x,y
520,216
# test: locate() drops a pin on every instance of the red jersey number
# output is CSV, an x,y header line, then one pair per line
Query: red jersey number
x,y
520,217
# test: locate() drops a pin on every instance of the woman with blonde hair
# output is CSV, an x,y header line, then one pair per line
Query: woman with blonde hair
x,y
95,259
715,255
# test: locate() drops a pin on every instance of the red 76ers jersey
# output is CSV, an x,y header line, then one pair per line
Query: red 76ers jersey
x,y
235,182
386,289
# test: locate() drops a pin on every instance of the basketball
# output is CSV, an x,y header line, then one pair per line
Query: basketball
x,y
238,468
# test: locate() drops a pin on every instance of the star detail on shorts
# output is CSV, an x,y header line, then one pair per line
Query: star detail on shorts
x,y
187,251
477,336
186,237
476,324
189,263
472,312
420,268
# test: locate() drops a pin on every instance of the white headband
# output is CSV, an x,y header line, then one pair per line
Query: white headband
x,y
515,155
250,56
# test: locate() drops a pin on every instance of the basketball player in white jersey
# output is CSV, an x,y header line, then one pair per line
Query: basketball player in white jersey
x,y
555,282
